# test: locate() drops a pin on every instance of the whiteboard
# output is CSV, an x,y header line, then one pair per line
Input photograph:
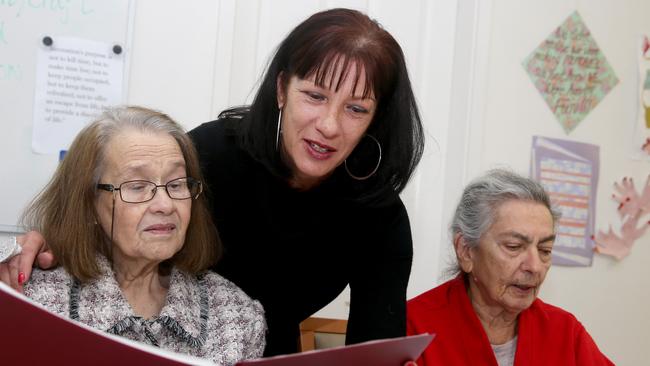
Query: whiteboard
x,y
23,26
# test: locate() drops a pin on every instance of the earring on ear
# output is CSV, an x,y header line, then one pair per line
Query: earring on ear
x,y
279,129
370,174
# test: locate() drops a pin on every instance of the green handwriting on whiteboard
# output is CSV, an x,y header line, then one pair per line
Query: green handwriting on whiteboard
x,y
10,72
63,8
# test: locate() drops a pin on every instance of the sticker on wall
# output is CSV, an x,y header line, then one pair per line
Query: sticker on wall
x,y
570,72
568,171
641,138
632,207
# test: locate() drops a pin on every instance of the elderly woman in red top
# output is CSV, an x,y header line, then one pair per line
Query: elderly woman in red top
x,y
503,231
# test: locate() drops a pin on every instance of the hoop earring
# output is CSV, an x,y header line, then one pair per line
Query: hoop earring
x,y
279,130
376,166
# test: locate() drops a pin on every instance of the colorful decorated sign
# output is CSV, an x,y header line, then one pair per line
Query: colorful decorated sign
x,y
568,171
641,138
570,72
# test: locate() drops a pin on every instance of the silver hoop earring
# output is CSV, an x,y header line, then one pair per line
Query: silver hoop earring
x,y
376,166
277,133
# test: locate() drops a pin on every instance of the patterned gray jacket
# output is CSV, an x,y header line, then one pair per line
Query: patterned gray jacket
x,y
204,316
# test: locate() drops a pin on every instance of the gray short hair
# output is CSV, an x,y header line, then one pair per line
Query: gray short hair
x,y
115,120
477,208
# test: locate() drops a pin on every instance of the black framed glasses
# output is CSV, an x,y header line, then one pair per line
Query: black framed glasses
x,y
138,191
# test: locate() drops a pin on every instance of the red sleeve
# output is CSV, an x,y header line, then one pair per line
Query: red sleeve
x,y
587,353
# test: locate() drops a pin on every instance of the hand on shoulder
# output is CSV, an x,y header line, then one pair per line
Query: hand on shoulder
x,y
34,252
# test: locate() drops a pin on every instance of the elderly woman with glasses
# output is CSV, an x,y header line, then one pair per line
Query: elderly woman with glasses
x,y
503,233
125,217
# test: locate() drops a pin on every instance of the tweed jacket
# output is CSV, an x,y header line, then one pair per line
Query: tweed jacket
x,y
205,316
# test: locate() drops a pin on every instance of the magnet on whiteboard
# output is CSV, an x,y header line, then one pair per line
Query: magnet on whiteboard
x,y
117,49
47,40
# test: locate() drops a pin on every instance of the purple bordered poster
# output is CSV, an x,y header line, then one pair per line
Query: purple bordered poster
x,y
568,170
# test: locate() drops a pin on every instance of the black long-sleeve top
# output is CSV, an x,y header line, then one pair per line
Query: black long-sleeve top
x,y
296,251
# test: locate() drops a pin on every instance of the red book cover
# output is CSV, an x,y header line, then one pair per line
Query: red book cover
x,y
385,352
32,335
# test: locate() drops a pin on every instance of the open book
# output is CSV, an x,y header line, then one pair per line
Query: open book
x,y
31,335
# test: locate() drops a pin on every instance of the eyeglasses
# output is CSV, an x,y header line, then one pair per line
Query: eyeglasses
x,y
138,191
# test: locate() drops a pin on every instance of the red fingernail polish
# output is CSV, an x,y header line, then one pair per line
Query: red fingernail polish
x,y
21,278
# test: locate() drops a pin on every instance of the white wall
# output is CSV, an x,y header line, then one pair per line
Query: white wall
x,y
611,298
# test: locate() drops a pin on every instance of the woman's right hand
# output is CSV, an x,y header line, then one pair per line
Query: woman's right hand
x,y
34,252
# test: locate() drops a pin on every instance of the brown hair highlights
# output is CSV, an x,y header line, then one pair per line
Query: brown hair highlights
x,y
64,211
333,41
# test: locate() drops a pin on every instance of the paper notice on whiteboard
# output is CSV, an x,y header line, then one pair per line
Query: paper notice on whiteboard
x,y
76,80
